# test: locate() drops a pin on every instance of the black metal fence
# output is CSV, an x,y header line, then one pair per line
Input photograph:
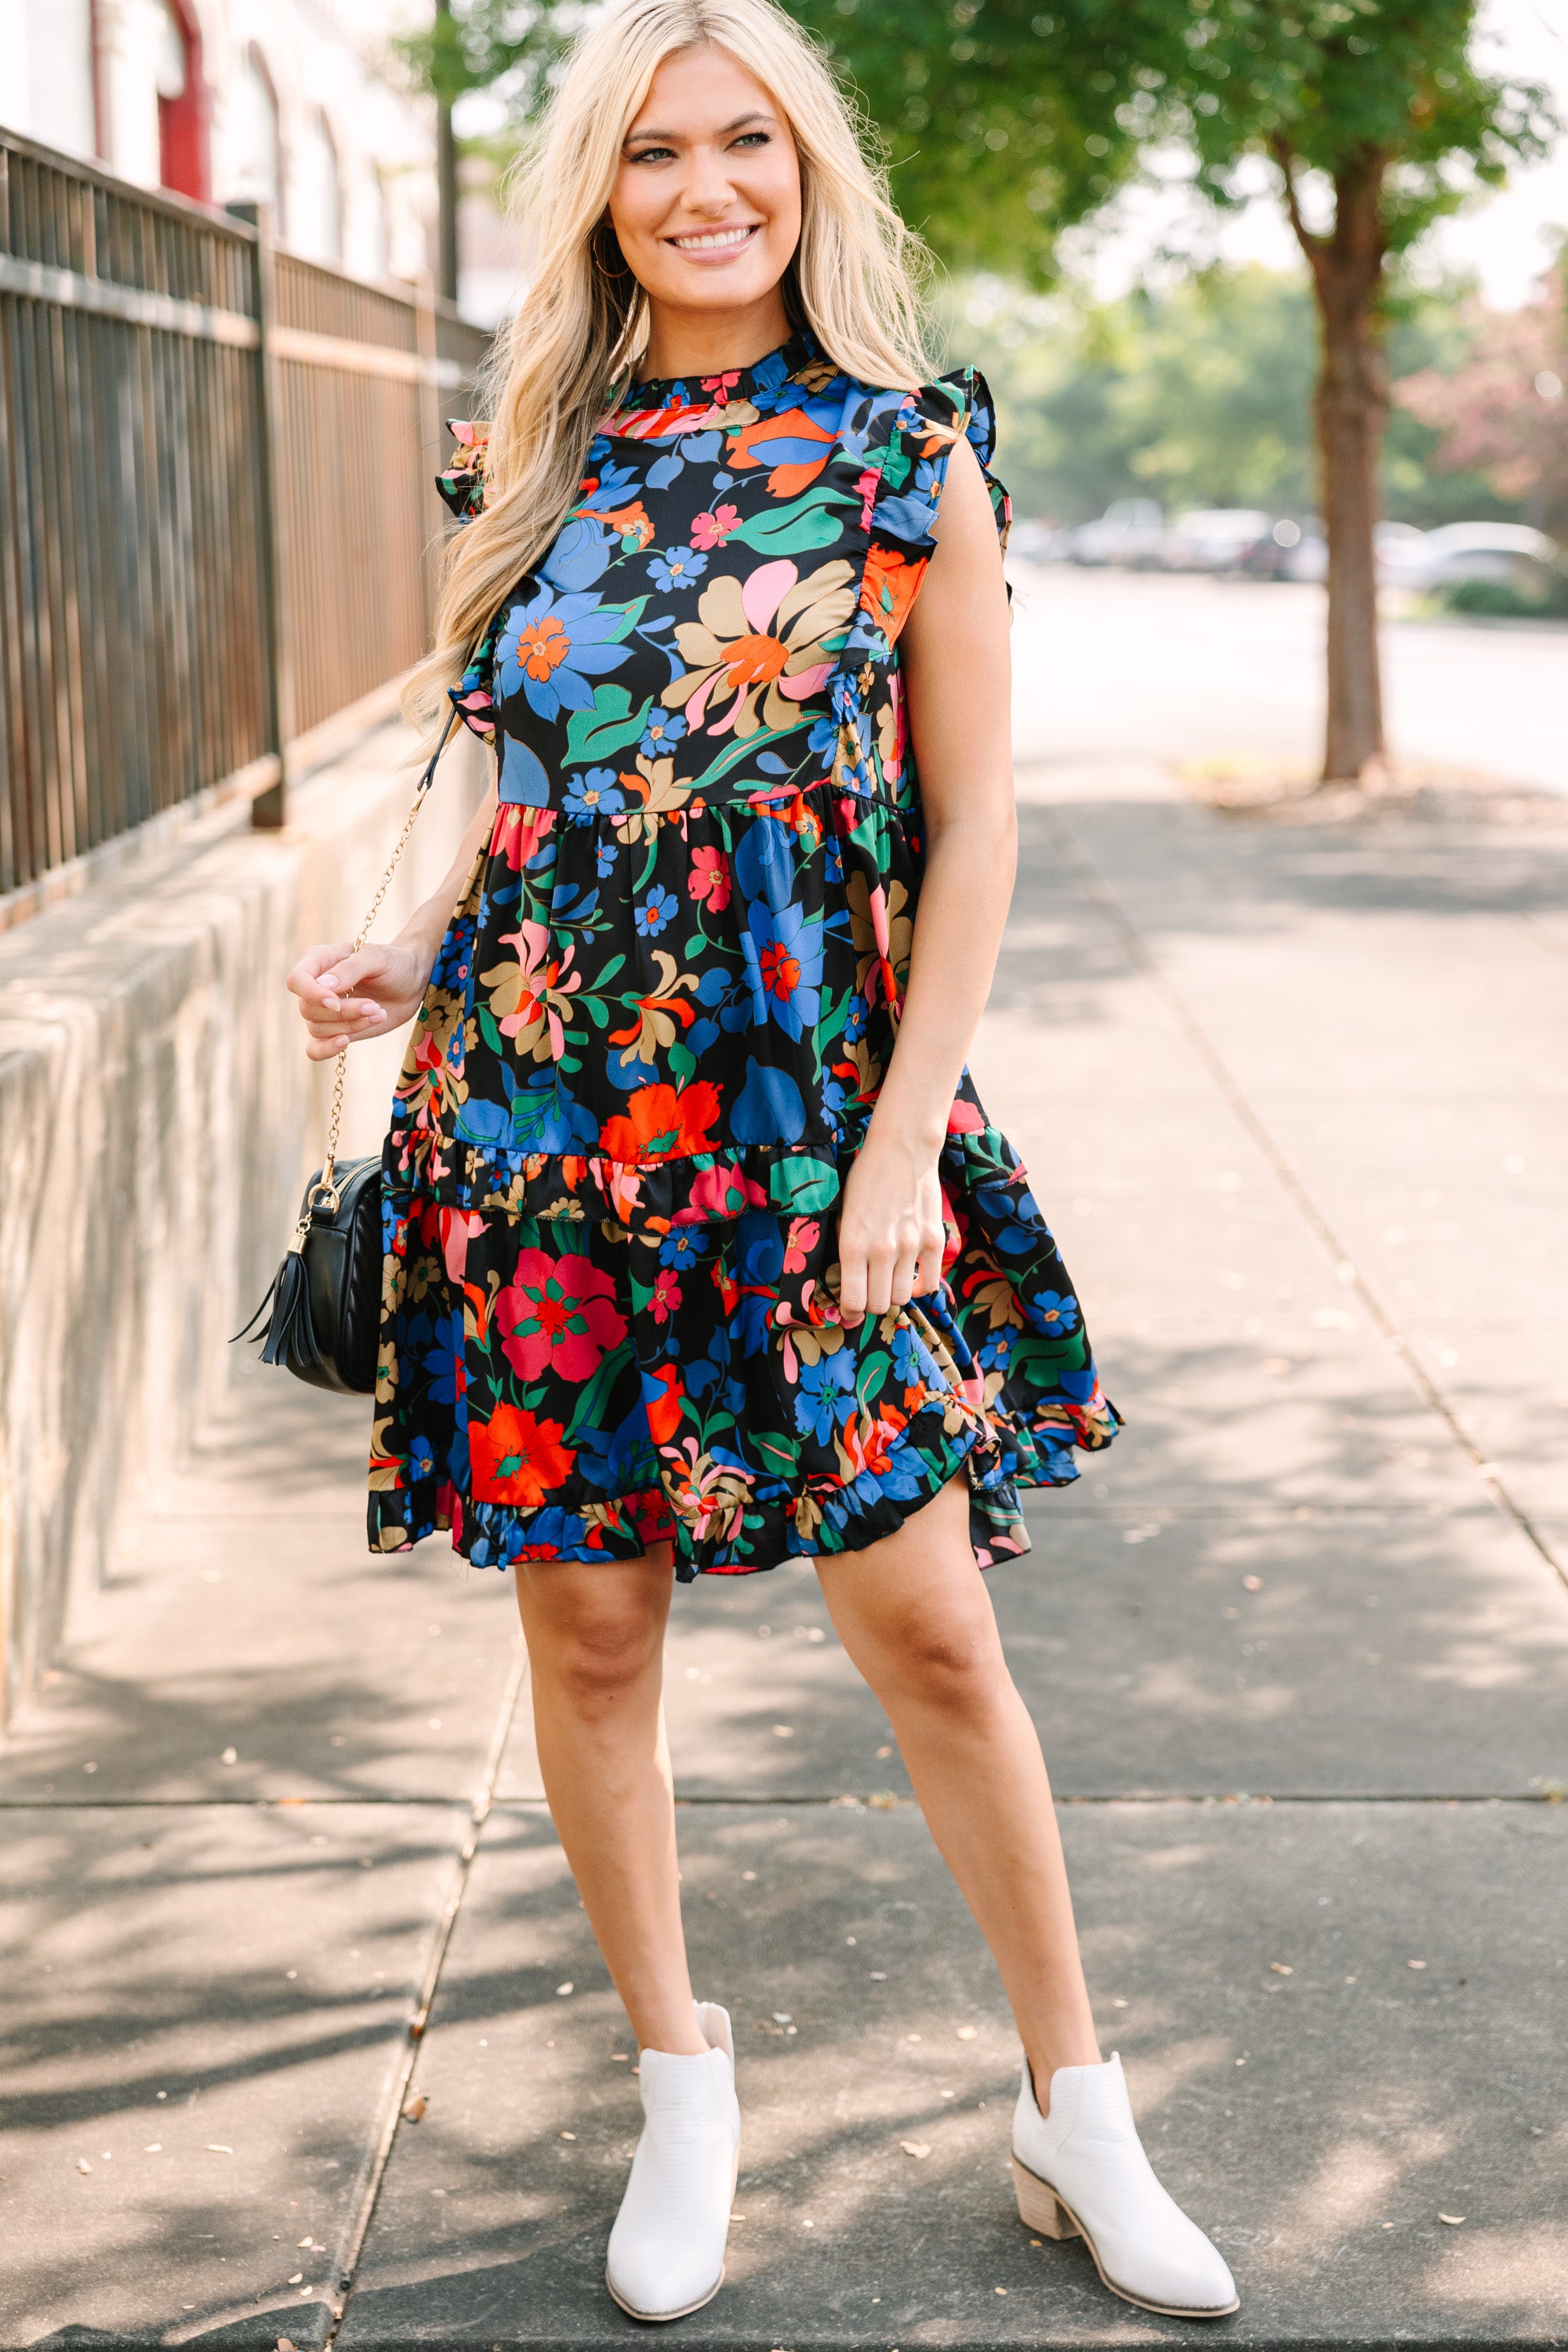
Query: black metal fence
x,y
216,511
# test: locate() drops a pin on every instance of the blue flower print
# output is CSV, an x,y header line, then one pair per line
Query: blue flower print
x,y
552,646
662,733
596,795
1010,1219
604,857
783,948
856,1014
442,1358
683,1245
421,1459
833,863
677,567
825,1397
655,910
1054,1313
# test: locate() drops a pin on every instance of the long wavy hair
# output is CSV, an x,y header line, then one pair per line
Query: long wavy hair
x,y
855,281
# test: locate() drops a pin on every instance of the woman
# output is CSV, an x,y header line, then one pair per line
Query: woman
x,y
701,1255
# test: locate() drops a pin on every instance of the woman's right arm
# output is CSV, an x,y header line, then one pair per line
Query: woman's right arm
x,y
346,996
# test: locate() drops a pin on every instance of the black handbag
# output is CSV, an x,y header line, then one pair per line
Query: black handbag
x,y
325,1298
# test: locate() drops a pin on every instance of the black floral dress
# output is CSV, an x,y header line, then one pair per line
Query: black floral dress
x,y
660,1018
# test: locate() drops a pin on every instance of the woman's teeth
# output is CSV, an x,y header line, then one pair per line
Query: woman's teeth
x,y
713,241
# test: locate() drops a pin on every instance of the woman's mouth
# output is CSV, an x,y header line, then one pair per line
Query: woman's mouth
x,y
715,243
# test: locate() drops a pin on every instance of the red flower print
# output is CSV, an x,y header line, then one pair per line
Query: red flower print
x,y
709,879
666,1295
720,383
516,1458
711,531
780,971
662,1123
664,1408
557,1315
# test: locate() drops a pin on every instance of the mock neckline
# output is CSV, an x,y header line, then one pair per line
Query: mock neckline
x,y
733,384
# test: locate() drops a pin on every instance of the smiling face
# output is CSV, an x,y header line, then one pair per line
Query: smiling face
x,y
706,204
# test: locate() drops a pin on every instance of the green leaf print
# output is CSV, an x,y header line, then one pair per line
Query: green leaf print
x,y
804,1184
793,530
609,727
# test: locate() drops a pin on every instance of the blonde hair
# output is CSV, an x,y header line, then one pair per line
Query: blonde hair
x,y
584,320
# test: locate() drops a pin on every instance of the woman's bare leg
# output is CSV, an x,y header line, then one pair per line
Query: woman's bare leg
x,y
914,1614
595,1647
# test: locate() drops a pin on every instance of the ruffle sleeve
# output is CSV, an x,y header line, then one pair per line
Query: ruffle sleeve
x,y
462,487
925,430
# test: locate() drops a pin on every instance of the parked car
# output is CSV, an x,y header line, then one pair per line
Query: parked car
x,y
1131,530
1301,550
1507,551
1039,542
1215,539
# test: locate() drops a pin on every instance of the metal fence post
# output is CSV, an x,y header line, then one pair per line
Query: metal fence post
x,y
268,810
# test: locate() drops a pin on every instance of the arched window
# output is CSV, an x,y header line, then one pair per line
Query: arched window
x,y
182,103
261,141
318,210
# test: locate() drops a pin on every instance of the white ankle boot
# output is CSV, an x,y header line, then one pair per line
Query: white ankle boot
x,y
1080,2170
667,2248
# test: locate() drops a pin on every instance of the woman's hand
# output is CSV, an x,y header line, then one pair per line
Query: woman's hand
x,y
346,995
890,1236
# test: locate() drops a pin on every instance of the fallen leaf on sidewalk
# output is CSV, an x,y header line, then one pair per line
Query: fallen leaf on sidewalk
x,y
416,2023
562,1990
413,2108
294,2277
1415,1964
284,2344
1453,2220
882,1801
82,2165
784,1731
216,2147
915,2146
968,2032
231,1756
1280,1969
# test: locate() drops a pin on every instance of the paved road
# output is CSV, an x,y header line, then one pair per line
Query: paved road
x,y
1114,665
1297,1646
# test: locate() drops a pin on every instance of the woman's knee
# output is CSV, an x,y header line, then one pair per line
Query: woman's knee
x,y
593,1645
953,1663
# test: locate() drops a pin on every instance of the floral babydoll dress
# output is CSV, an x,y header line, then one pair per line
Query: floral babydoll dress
x,y
660,1017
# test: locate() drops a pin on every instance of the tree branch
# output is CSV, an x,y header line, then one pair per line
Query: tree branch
x,y
1315,247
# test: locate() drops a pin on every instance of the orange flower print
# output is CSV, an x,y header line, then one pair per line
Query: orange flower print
x,y
662,1123
542,646
516,1458
888,589
792,446
760,647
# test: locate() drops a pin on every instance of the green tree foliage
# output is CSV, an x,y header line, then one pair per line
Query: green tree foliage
x,y
1199,393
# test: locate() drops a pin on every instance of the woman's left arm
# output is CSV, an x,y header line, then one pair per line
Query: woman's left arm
x,y
957,676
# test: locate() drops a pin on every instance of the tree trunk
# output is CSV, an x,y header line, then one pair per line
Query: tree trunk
x,y
1351,409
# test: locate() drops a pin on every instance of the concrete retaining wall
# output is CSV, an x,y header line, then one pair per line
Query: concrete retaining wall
x,y
157,1120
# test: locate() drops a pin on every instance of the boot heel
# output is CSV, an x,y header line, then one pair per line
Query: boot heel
x,y
1039,2208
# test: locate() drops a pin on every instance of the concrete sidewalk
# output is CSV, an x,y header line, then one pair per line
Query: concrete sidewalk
x,y
1294,1097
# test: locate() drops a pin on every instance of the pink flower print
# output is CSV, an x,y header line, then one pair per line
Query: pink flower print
x,y
804,1236
558,1315
721,382
709,879
711,531
458,1227
666,1295
867,485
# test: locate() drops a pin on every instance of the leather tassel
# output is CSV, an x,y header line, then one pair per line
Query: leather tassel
x,y
289,1333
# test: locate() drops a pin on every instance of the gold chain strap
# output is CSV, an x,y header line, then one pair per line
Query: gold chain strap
x,y
324,1189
